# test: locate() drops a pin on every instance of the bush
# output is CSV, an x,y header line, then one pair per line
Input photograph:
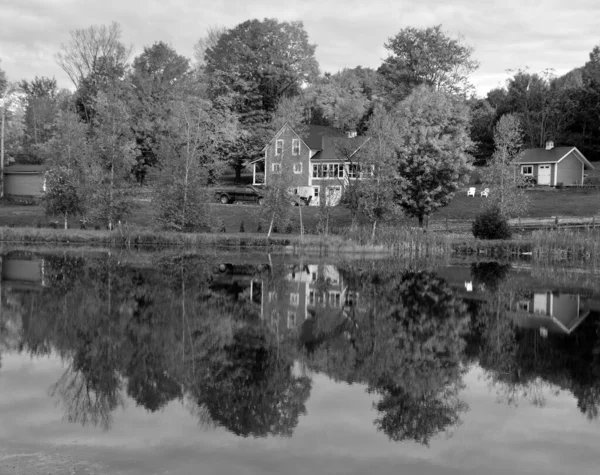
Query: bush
x,y
242,227
560,185
491,224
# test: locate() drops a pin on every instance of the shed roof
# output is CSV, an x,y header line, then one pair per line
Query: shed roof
x,y
19,168
554,155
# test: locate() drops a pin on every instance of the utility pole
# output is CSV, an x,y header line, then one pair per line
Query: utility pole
x,y
3,112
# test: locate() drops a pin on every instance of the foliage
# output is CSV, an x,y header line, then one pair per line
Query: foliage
x,y
491,223
95,60
431,151
278,199
426,57
187,153
114,151
157,77
503,173
12,111
250,68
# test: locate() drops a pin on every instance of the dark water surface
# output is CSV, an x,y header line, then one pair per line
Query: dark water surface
x,y
263,364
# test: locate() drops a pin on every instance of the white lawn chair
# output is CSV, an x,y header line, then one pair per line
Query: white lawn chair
x,y
485,192
471,192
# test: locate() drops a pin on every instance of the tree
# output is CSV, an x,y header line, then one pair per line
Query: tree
x,y
157,77
502,174
187,152
210,40
12,117
251,67
431,151
426,56
115,152
377,158
95,60
278,199
72,169
483,118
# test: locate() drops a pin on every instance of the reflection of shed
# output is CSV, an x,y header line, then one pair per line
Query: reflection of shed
x,y
23,273
558,313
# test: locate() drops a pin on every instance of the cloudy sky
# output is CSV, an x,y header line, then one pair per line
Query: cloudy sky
x,y
538,34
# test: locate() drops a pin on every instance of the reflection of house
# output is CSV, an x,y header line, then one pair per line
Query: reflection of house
x,y
307,290
551,312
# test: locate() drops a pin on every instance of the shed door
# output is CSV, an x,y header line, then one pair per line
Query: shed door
x,y
544,174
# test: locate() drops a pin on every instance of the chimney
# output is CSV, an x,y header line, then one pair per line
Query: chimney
x,y
351,134
549,145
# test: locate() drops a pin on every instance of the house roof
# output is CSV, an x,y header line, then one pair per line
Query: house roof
x,y
325,141
554,155
25,169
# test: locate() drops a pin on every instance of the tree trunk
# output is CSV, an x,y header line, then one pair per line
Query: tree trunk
x,y
271,225
238,172
2,154
420,217
66,226
373,232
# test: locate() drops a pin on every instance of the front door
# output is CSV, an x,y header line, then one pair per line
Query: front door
x,y
544,174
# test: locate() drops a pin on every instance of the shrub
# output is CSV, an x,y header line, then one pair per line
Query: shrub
x,y
491,224
560,185
242,228
259,227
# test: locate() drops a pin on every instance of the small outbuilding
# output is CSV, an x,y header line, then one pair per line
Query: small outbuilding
x,y
24,180
553,165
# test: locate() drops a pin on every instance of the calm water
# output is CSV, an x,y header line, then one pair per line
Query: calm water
x,y
234,363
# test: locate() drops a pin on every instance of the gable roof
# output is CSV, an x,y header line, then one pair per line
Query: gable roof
x,y
554,155
25,169
315,134
330,147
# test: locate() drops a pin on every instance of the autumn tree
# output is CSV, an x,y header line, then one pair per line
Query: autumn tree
x,y
426,57
158,74
277,199
12,122
250,68
115,151
502,174
95,59
432,149
70,183
187,152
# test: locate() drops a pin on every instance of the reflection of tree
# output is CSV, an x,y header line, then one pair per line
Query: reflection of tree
x,y
83,403
406,345
251,388
489,274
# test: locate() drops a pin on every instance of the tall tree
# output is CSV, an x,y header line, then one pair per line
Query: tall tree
x,y
210,40
115,151
95,59
195,131
157,77
250,68
432,150
426,56
70,183
502,173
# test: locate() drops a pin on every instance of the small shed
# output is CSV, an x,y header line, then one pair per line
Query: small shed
x,y
24,180
553,165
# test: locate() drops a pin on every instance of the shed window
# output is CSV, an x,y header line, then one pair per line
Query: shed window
x,y
278,147
527,170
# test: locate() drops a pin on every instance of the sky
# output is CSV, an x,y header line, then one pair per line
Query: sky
x,y
506,34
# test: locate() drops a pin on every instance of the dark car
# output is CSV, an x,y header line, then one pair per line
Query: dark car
x,y
231,194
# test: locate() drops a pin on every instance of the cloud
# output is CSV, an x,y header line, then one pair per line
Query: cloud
x,y
505,35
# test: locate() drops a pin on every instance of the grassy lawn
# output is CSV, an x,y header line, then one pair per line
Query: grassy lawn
x,y
566,202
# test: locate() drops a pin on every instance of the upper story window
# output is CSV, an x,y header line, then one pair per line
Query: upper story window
x,y
276,167
278,147
356,170
527,170
297,168
295,146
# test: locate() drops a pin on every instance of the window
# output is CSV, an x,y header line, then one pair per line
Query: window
x,y
294,299
297,168
295,146
356,170
278,147
276,167
527,170
272,296
316,191
291,320
311,298
328,170
334,298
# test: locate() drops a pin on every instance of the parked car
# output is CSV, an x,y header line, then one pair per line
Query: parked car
x,y
231,194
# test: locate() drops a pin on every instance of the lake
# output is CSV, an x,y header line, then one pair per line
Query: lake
x,y
219,362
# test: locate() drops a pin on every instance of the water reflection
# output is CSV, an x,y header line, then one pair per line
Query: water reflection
x,y
241,340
